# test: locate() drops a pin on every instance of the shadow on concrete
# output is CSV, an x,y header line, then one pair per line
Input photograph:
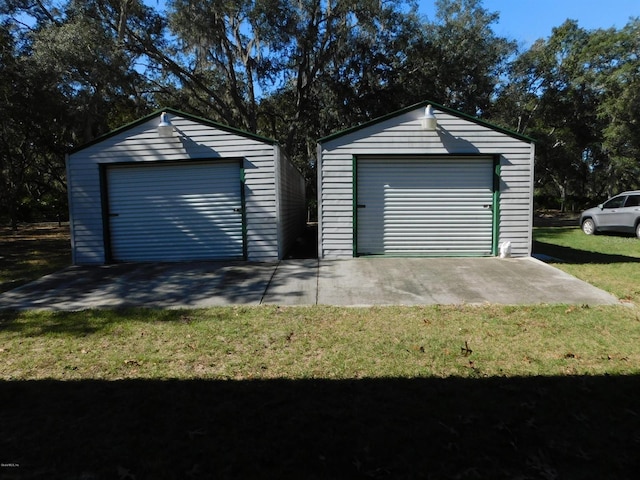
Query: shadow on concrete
x,y
159,285
175,285
498,428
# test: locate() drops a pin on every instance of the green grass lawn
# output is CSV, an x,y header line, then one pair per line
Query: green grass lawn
x,y
529,392
610,262
249,343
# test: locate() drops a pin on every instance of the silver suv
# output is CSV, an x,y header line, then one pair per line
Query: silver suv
x,y
618,214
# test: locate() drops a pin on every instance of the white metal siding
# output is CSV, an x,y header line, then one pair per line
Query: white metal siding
x,y
425,206
175,212
404,135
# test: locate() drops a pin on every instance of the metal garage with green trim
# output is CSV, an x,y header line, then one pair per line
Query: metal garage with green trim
x,y
425,181
174,187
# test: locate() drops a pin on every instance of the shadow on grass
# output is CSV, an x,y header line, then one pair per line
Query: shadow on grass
x,y
80,324
575,256
569,427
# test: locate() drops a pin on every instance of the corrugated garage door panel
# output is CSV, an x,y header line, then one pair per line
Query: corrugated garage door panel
x,y
176,212
425,206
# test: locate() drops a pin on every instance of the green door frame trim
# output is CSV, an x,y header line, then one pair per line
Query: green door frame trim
x,y
496,204
245,246
495,234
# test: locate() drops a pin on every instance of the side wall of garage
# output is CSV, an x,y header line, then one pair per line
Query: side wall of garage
x,y
193,140
402,134
291,203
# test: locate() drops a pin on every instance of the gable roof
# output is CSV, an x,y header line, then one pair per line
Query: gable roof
x,y
178,113
423,104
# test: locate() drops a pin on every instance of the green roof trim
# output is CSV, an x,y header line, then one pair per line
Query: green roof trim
x,y
178,113
423,104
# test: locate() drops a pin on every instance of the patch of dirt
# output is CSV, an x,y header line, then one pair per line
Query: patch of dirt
x,y
31,251
34,231
555,218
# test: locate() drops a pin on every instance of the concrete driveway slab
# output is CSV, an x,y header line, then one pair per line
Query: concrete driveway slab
x,y
294,282
165,285
424,281
351,282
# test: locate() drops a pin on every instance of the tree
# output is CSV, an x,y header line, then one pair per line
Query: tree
x,y
615,68
218,58
67,75
549,99
575,93
297,70
458,60
32,172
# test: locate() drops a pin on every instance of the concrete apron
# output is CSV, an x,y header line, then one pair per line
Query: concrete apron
x,y
350,282
426,281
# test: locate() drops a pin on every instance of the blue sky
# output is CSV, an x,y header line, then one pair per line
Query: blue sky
x,y
527,20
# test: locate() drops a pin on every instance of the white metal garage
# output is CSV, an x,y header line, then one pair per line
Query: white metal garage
x,y
175,212
426,180
174,187
424,205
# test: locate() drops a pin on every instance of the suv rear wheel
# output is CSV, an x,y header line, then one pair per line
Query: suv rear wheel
x,y
638,230
589,227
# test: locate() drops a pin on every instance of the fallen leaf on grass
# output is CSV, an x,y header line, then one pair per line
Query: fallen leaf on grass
x,y
418,348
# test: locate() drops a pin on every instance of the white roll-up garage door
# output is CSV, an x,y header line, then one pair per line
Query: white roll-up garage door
x,y
424,206
175,212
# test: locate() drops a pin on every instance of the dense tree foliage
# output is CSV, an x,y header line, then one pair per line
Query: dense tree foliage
x,y
296,70
577,94
69,73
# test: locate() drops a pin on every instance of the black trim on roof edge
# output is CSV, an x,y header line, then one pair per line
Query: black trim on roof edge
x,y
423,104
178,113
